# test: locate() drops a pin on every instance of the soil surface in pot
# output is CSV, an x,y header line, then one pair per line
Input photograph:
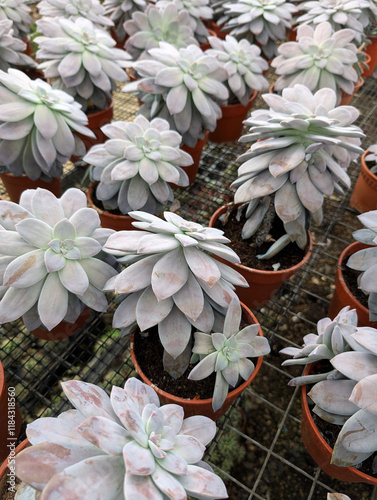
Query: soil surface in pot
x,y
350,278
330,432
248,251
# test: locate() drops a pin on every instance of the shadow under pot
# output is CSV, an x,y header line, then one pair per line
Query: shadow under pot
x,y
263,284
364,194
194,405
343,296
10,417
320,450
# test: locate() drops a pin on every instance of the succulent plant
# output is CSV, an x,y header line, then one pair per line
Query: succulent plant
x,y
320,58
122,446
265,20
172,280
305,147
198,10
120,11
135,165
19,12
372,156
182,86
36,124
72,9
227,353
158,24
81,59
243,64
366,260
11,48
51,260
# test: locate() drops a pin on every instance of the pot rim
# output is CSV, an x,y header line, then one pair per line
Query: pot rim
x,y
99,210
4,465
365,167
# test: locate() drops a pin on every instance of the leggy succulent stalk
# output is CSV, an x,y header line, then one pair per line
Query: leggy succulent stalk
x,y
73,9
136,164
120,11
172,281
122,446
306,145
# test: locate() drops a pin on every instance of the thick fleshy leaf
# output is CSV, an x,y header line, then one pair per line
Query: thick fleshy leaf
x,y
11,214
189,299
333,396
202,265
25,270
173,463
125,313
74,278
47,207
203,428
204,368
367,338
150,311
85,220
54,430
17,301
359,433
168,484
94,298
138,460
175,322
53,301
355,365
137,276
98,272
364,394
169,274
134,484
203,482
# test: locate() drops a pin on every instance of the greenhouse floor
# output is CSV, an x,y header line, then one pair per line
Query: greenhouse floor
x,y
258,448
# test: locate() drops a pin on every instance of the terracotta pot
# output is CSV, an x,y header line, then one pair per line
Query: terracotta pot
x,y
207,45
371,50
321,452
112,221
292,34
203,406
346,99
5,480
196,153
229,127
63,330
7,412
342,296
15,186
368,61
364,195
263,285
212,26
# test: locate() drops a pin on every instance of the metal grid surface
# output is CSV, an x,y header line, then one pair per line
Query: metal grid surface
x,y
258,448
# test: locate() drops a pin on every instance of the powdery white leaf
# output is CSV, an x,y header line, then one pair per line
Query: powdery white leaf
x,y
169,274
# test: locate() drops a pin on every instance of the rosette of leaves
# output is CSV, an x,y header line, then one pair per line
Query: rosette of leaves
x,y
320,58
135,165
11,48
51,258
339,13
183,86
159,23
306,146
197,10
36,126
226,353
82,59
366,260
122,446
173,280
243,64
19,12
72,9
120,11
372,156
264,20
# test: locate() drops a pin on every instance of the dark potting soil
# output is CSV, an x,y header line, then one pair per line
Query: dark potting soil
x,y
248,251
98,203
350,278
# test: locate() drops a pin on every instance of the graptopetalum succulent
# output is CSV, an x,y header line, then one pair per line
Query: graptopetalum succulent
x,y
120,11
366,260
12,48
18,12
72,9
135,165
125,446
36,126
305,146
172,279
320,58
182,86
51,262
226,353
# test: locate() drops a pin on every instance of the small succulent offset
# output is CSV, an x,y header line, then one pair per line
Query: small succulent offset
x,y
320,58
244,65
172,280
182,86
18,12
265,20
81,58
227,353
11,48
366,260
120,11
158,24
51,263
72,9
122,446
308,145
135,165
372,156
36,124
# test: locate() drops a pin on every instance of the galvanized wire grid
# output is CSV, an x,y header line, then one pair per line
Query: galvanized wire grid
x,y
258,448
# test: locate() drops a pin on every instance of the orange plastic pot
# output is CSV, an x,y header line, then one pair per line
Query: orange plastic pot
x,y
196,153
229,127
263,285
364,195
346,99
214,27
207,45
342,296
368,61
321,452
371,50
203,406
63,330
15,186
9,414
